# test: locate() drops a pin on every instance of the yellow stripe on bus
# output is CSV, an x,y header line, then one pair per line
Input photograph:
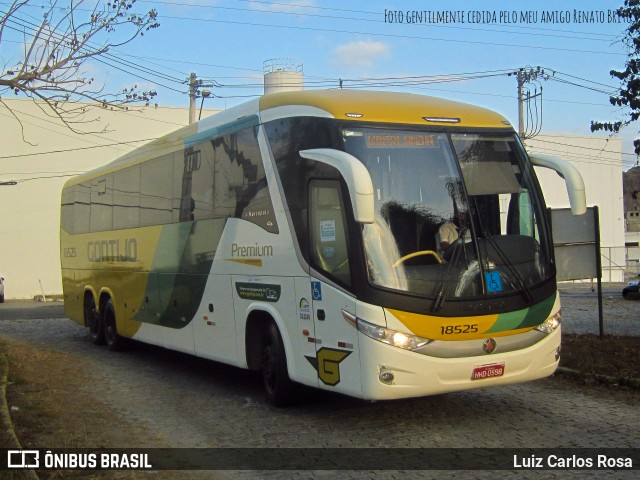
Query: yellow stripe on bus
x,y
451,328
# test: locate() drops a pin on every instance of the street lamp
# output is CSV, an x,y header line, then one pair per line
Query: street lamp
x,y
205,94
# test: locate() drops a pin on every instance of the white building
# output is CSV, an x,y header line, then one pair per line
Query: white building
x,y
41,154
30,214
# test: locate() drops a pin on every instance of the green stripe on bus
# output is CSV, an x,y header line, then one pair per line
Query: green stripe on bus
x,y
528,317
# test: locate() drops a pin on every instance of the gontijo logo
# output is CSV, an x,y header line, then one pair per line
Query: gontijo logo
x,y
113,250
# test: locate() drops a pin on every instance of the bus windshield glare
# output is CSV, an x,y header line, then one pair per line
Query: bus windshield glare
x,y
456,215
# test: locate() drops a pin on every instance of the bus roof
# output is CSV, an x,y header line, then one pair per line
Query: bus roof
x,y
388,107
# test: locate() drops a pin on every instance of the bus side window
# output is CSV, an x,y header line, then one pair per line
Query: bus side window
x,y
101,204
328,238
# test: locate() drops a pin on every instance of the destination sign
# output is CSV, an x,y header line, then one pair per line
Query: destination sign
x,y
401,141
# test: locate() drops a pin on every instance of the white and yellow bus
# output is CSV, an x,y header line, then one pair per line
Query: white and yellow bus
x,y
301,234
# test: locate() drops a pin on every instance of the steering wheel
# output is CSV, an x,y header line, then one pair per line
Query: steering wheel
x,y
417,254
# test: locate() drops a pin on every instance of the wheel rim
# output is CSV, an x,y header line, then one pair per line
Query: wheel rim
x,y
109,327
94,323
108,332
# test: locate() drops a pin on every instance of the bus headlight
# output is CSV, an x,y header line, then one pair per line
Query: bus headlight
x,y
405,341
551,323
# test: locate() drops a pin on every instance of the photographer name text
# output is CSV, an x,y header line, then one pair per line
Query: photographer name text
x,y
572,462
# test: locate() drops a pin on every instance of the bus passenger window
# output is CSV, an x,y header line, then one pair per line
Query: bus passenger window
x,y
328,238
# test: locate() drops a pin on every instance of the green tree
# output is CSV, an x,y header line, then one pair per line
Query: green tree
x,y
57,43
629,93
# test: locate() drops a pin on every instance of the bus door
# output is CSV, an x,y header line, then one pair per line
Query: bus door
x,y
336,361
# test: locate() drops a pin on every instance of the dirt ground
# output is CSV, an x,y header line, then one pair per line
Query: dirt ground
x,y
46,416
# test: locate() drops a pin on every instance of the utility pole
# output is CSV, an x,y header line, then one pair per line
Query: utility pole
x,y
528,75
193,88
520,104
194,92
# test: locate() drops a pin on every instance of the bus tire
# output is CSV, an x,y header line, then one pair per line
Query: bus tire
x,y
275,377
93,320
114,341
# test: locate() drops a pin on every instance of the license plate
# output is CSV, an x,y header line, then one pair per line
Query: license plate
x,y
488,371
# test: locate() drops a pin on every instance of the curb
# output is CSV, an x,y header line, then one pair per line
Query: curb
x,y
600,378
5,418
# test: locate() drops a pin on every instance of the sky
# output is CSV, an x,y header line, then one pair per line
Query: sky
x,y
463,50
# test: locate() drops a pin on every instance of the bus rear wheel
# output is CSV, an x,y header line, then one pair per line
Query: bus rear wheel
x,y
113,340
277,384
92,319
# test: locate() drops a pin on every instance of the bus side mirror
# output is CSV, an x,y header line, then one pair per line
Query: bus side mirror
x,y
356,176
571,176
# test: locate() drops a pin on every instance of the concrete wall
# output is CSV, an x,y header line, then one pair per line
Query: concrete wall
x,y
30,211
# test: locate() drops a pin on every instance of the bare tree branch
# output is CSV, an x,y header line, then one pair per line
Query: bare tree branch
x,y
56,47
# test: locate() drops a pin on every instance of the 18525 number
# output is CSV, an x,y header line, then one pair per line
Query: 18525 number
x,y
458,329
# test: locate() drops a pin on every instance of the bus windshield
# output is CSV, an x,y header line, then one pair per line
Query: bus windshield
x,y
456,214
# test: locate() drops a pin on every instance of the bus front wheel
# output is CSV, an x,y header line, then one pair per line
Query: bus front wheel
x,y
278,386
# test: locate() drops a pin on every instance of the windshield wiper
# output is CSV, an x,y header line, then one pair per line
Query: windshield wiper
x,y
515,274
444,276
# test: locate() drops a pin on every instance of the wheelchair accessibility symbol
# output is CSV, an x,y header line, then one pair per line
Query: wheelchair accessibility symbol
x,y
316,291
493,281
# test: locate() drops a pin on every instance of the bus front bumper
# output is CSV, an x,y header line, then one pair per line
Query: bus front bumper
x,y
389,372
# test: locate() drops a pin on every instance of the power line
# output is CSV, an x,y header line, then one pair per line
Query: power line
x,y
585,148
582,158
401,36
364,33
22,180
31,154
82,138
297,10
408,80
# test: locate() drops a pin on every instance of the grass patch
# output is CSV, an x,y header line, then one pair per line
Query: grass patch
x,y
612,356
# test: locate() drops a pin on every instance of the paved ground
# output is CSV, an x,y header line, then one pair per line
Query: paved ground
x,y
580,310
